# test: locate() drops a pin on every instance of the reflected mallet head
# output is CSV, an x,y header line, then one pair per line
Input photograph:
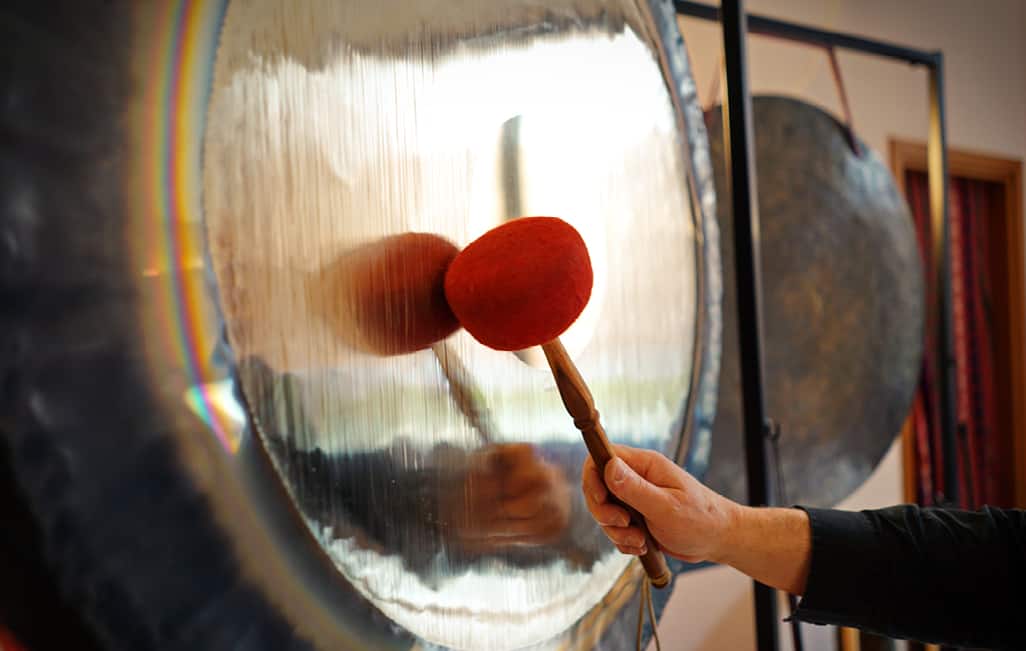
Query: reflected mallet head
x,y
390,294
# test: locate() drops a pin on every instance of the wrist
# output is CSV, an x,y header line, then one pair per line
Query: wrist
x,y
771,545
726,544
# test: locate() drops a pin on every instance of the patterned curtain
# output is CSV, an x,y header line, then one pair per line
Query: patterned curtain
x,y
979,445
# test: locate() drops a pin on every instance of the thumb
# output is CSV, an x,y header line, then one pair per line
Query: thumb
x,y
633,489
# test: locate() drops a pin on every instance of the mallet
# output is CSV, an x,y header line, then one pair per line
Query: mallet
x,y
523,284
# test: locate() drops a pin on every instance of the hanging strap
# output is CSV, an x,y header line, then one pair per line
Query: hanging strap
x,y
849,129
714,96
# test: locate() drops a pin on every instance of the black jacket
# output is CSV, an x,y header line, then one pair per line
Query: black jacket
x,y
934,575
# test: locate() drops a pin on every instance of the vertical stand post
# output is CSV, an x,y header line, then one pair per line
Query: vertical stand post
x,y
741,174
937,155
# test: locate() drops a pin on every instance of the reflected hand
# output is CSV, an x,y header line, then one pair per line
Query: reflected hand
x,y
510,497
688,520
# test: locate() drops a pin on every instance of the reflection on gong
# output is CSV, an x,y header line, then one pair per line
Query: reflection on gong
x,y
441,477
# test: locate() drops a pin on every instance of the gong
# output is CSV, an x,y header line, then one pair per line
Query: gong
x,y
842,301
205,440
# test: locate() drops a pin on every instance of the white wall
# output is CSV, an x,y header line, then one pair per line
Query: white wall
x,y
985,56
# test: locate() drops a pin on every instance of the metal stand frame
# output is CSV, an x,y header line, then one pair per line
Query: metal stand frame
x,y
741,162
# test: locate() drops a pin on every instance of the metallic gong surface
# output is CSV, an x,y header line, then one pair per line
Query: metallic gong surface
x,y
332,125
842,305
207,464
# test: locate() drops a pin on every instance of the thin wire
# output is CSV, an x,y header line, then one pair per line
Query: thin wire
x,y
641,614
652,616
645,604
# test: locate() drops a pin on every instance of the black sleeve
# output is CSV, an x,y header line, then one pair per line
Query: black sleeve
x,y
943,576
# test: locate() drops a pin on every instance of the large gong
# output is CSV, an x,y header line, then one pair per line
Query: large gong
x,y
842,305
265,479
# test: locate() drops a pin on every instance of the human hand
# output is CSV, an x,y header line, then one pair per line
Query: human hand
x,y
687,520
510,497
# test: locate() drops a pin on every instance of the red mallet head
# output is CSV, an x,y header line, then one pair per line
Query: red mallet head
x,y
521,284
388,296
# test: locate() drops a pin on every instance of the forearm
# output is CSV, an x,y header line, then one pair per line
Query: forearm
x,y
771,545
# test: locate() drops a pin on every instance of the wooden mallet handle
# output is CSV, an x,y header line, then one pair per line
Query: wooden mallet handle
x,y
581,406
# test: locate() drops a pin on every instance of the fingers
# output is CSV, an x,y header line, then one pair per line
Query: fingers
x,y
631,537
653,466
651,500
596,497
613,518
649,464
609,515
628,540
592,483
632,551
646,480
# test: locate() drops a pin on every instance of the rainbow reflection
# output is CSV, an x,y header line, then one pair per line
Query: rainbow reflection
x,y
176,46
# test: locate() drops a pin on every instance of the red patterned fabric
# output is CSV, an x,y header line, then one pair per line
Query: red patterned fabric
x,y
978,450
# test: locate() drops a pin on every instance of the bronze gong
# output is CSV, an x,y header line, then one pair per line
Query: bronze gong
x,y
842,305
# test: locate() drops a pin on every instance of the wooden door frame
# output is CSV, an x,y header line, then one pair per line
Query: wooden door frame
x,y
907,155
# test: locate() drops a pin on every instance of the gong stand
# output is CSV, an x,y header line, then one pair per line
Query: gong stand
x,y
740,160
